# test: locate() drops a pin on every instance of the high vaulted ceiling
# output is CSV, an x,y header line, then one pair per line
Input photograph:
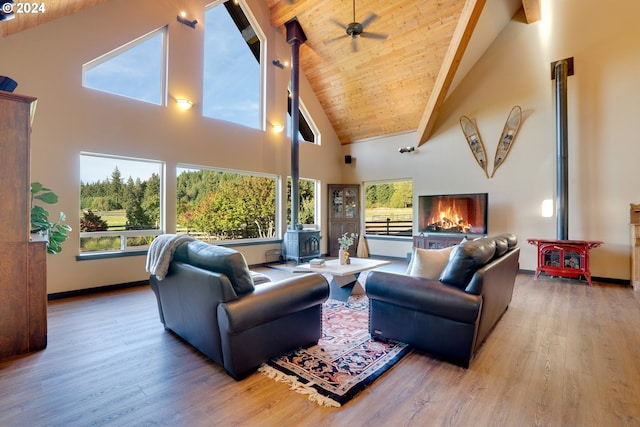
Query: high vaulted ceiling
x,y
391,86
380,87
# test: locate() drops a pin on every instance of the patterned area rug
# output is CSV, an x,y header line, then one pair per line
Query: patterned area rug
x,y
345,360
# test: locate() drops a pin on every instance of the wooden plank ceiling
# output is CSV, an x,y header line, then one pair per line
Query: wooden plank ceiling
x,y
53,9
380,87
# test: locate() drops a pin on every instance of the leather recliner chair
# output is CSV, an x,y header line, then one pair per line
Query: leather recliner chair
x,y
452,316
208,298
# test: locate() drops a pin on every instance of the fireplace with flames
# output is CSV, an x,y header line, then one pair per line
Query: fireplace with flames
x,y
458,213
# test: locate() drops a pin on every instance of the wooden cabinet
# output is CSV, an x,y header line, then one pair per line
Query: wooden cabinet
x,y
344,214
23,288
635,246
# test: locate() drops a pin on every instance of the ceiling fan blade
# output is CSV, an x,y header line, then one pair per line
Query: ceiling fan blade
x,y
354,44
378,36
335,38
369,19
338,23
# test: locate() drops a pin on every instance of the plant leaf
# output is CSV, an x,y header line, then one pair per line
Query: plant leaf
x,y
48,197
36,187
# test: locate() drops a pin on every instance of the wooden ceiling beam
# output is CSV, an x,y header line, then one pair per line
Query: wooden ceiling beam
x,y
459,42
532,10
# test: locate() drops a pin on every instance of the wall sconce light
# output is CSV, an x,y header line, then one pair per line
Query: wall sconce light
x,y
183,20
184,104
547,208
281,65
277,128
406,149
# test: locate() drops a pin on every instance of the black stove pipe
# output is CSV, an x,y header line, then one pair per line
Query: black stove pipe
x,y
562,148
295,37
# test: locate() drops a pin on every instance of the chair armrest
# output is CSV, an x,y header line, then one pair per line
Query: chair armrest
x,y
272,301
424,295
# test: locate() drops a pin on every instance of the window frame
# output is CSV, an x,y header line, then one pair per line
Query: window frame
x,y
365,185
304,119
277,202
246,10
163,31
125,234
316,201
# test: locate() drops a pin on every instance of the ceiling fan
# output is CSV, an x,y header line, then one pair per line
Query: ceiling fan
x,y
356,29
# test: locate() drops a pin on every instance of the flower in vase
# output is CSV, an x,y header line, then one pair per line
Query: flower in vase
x,y
347,240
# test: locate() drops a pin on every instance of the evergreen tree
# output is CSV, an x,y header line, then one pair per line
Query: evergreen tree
x,y
132,202
151,200
116,189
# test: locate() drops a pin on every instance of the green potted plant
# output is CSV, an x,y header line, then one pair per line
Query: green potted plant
x,y
55,232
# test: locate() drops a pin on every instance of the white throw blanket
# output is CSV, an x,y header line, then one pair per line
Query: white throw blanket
x,y
161,252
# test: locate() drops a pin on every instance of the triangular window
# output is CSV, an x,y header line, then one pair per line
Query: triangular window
x,y
232,77
135,70
307,130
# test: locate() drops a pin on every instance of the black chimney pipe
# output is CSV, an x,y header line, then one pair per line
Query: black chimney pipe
x,y
295,37
562,148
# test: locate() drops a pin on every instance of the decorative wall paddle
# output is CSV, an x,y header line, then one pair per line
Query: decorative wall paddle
x,y
505,143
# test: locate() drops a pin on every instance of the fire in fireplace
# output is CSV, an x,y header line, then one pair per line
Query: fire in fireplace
x,y
458,213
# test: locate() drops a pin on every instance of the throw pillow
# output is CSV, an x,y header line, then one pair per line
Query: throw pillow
x,y
428,263
218,259
465,260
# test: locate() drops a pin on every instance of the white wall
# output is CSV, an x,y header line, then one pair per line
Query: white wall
x,y
603,104
603,143
46,61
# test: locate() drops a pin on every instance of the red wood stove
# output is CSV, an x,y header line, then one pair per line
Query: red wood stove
x,y
564,258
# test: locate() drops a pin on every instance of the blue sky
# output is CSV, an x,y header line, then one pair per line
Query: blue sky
x,y
134,73
95,168
231,73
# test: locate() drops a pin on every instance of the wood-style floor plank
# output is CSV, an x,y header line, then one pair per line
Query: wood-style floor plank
x,y
564,354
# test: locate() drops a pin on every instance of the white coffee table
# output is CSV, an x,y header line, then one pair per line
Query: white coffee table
x,y
343,277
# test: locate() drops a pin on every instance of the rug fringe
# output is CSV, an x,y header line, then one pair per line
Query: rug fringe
x,y
297,386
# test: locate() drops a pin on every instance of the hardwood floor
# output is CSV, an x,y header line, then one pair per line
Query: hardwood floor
x,y
564,354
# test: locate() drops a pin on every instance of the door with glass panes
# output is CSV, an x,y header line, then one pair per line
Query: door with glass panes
x,y
344,215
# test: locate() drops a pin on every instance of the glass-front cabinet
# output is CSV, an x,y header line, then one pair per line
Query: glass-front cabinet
x,y
344,214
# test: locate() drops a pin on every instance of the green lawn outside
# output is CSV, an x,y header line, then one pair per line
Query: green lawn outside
x,y
117,218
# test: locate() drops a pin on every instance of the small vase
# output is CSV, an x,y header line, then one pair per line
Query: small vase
x,y
341,258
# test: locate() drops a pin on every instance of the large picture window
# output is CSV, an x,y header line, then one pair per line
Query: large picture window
x,y
120,202
389,208
215,205
308,201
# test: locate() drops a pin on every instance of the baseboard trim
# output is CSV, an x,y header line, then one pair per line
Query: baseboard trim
x,y
611,280
99,289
